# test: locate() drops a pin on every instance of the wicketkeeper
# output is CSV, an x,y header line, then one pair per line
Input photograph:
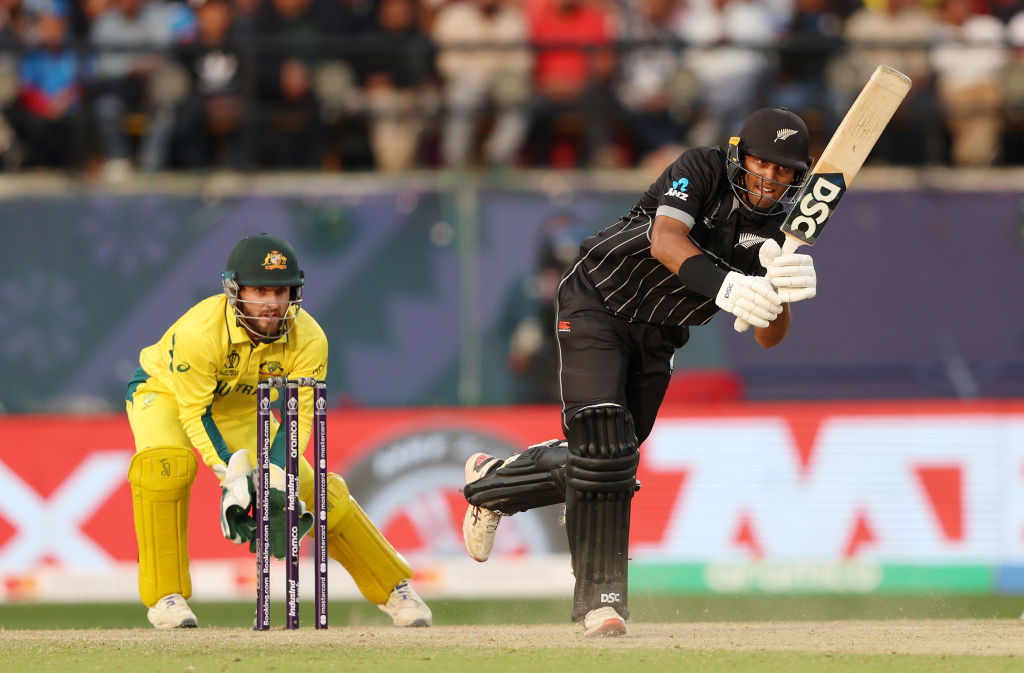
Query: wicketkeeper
x,y
196,387
704,237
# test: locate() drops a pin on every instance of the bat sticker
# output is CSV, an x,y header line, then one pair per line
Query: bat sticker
x,y
816,203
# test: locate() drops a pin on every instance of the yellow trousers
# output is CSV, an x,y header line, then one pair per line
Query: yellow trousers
x,y
161,475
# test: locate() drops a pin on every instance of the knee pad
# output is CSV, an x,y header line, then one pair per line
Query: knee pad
x,y
533,478
603,451
355,543
600,480
161,480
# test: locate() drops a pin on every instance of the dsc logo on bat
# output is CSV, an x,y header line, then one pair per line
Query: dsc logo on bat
x,y
818,199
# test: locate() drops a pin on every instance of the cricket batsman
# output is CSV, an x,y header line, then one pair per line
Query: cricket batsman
x,y
704,237
196,388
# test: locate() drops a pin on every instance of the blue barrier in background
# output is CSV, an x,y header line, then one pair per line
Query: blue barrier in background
x,y
420,285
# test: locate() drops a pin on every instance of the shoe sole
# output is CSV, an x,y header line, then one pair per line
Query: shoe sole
x,y
467,525
473,473
610,628
187,623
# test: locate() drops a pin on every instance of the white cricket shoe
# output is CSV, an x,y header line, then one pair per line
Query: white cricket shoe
x,y
406,608
172,612
603,622
479,524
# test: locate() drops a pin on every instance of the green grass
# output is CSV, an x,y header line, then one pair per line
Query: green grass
x,y
457,649
683,633
535,611
380,658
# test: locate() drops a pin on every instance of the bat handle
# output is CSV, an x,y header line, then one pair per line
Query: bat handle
x,y
790,245
788,248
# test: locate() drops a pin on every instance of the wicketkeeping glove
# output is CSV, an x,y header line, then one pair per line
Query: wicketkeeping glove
x,y
751,298
236,523
278,503
792,275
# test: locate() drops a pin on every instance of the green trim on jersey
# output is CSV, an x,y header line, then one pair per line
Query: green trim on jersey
x,y
213,433
277,447
139,376
216,394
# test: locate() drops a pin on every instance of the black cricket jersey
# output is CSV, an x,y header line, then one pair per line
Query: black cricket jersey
x,y
695,190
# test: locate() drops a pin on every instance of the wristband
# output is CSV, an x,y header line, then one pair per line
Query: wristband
x,y
701,274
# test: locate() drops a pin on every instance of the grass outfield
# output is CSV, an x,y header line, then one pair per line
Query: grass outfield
x,y
533,611
722,647
707,634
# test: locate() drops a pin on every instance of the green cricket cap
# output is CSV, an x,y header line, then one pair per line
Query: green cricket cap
x,y
264,261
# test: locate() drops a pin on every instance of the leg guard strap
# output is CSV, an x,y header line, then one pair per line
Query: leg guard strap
x,y
533,478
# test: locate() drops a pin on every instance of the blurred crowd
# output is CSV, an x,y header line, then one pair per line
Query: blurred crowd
x,y
119,86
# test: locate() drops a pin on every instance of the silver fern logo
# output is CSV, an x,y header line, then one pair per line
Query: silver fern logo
x,y
748,240
782,134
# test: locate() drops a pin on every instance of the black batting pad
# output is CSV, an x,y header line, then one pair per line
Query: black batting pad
x,y
600,479
536,478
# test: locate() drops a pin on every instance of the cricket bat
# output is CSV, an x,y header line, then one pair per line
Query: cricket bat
x,y
841,160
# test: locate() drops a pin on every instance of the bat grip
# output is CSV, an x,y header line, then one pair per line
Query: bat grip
x,y
789,246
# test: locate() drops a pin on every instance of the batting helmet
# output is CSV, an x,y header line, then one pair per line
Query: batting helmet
x,y
777,135
263,261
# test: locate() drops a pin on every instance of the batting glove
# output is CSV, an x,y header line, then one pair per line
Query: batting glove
x,y
751,298
792,275
278,513
235,498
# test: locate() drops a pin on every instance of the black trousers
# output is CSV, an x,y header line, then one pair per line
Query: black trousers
x,y
604,358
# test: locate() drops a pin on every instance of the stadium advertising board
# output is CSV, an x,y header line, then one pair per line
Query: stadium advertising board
x,y
857,497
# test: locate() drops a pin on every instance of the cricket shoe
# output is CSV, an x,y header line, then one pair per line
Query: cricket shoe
x,y
406,608
172,612
603,623
480,524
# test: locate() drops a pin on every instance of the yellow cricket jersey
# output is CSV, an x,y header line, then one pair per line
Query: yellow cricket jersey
x,y
207,361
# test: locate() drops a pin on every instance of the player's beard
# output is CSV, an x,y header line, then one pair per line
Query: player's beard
x,y
264,325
